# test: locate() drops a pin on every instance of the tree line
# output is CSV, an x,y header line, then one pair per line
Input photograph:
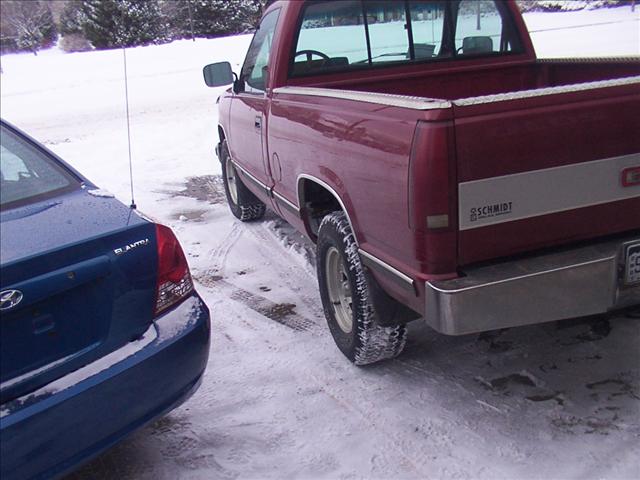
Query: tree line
x,y
30,25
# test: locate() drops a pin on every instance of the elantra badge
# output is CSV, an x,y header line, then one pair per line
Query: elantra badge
x,y
9,299
131,246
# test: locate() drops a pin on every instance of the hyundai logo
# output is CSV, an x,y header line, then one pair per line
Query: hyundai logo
x,y
9,299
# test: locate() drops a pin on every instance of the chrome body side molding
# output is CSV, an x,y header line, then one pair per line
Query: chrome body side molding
x,y
269,191
286,203
377,264
251,178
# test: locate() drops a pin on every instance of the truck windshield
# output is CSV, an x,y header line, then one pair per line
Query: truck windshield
x,y
347,34
27,174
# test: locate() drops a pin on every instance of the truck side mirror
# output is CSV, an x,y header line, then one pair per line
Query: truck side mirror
x,y
218,74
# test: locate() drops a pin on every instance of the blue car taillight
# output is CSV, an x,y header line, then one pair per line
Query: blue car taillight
x,y
174,279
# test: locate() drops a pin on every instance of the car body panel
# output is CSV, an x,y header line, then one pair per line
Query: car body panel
x,y
81,299
84,358
51,432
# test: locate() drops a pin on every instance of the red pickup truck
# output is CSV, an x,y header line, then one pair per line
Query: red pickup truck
x,y
443,171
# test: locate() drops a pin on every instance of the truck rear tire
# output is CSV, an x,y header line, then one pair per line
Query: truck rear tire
x,y
242,202
346,297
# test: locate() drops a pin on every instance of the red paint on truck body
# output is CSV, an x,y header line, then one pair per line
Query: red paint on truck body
x,y
392,167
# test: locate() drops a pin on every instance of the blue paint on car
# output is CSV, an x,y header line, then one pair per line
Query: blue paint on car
x,y
108,332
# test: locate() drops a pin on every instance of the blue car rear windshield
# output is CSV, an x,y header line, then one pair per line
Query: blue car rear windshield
x,y
27,174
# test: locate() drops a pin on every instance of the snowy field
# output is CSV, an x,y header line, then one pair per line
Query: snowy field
x,y
553,401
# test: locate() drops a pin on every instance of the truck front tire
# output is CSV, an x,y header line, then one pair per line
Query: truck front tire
x,y
346,297
242,202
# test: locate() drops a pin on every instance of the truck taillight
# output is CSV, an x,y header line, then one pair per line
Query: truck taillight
x,y
433,196
174,279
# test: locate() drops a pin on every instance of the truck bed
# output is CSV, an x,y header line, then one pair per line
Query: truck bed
x,y
490,78
546,142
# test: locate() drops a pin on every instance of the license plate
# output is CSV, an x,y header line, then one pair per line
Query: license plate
x,y
632,264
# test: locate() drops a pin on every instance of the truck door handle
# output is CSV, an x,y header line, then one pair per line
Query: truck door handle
x,y
258,123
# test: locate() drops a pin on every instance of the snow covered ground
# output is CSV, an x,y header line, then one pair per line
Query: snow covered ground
x,y
278,400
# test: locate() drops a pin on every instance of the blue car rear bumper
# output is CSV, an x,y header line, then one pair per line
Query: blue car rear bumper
x,y
53,430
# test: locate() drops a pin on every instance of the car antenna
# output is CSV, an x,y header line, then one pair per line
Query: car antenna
x,y
126,97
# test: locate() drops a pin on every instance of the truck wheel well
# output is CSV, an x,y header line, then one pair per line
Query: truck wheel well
x,y
316,202
221,134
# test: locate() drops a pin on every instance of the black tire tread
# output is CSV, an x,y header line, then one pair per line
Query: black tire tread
x,y
374,342
248,208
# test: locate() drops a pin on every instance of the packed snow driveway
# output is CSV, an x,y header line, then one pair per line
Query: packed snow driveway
x,y
279,400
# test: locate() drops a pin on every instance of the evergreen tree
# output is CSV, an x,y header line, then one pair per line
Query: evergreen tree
x,y
212,18
178,16
72,17
122,23
26,25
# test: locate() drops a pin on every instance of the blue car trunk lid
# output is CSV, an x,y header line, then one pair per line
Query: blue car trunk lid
x,y
84,269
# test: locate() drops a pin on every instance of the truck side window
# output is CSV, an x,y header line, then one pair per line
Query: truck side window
x,y
342,35
388,32
481,29
427,27
350,34
332,36
255,64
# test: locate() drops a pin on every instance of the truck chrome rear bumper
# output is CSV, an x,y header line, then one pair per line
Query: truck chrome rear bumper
x,y
566,284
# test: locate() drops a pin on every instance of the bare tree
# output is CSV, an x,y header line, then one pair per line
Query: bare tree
x,y
26,24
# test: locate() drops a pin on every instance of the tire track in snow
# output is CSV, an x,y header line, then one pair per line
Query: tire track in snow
x,y
393,451
294,276
219,254
284,313
430,432
291,273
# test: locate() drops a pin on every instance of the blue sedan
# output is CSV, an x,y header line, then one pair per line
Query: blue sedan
x,y
101,330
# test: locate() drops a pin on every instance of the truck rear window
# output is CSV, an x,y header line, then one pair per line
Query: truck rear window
x,y
352,34
27,174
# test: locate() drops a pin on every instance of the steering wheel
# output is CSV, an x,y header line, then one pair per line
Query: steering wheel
x,y
311,53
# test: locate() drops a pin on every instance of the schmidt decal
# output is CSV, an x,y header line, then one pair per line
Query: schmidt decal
x,y
488,211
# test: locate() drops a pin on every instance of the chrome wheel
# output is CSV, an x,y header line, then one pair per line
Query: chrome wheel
x,y
339,289
230,174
